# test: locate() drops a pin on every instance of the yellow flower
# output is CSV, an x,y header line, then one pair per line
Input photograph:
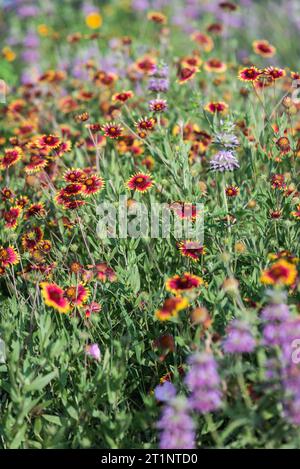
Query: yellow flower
x,y
43,30
94,20
8,54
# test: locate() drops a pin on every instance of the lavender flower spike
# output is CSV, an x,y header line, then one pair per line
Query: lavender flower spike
x,y
224,161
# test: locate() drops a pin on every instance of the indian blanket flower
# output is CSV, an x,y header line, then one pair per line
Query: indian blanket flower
x,y
232,191
93,351
77,295
224,160
92,185
274,73
215,65
50,141
8,256
171,308
32,238
283,145
122,96
158,105
296,213
204,41
177,429
239,338
112,130
280,273
11,157
140,182
216,107
264,48
191,249
183,283
250,74
54,296
186,73
105,273
11,217
203,382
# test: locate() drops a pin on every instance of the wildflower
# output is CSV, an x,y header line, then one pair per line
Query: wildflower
x,y
278,181
104,272
7,194
157,17
224,161
146,65
158,85
92,185
91,308
164,392
140,182
204,383
112,130
36,164
77,295
93,20
170,308
296,213
203,40
215,65
122,96
158,105
228,6
11,217
50,141
274,73
280,273
232,191
183,283
186,74
192,61
93,351
145,124
11,157
249,74
53,296
191,249
239,338
185,210
8,256
200,316
74,176
35,210
32,238
284,145
216,107
264,48
176,426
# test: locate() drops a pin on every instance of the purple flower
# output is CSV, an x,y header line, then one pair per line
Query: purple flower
x,y
275,312
204,383
158,85
176,426
93,351
239,338
224,161
165,392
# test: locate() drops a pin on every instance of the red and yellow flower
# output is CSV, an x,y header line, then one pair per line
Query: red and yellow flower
x,y
183,283
191,249
112,130
54,296
264,48
92,185
186,73
250,74
280,273
11,157
204,41
171,308
140,182
218,107
8,256
77,295
215,65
